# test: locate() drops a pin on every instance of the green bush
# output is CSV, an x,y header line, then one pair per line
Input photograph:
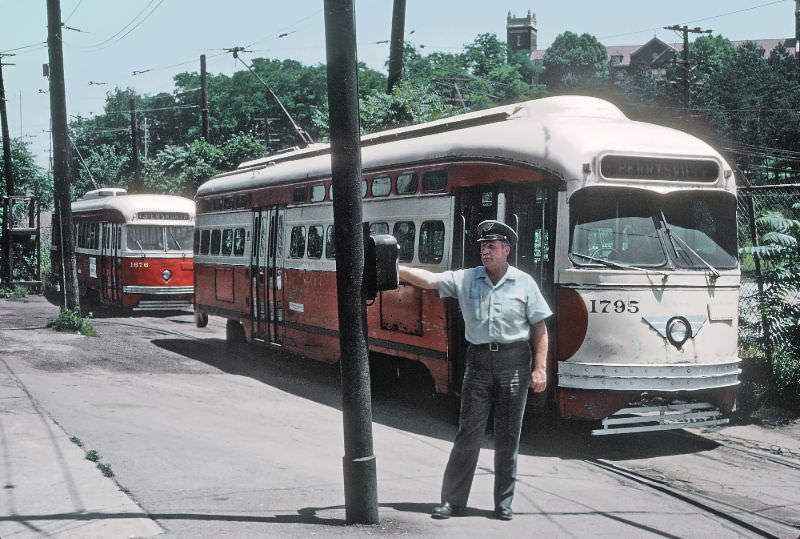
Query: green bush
x,y
73,322
18,292
779,304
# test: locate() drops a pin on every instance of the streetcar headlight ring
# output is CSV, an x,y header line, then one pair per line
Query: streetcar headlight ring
x,y
166,275
678,331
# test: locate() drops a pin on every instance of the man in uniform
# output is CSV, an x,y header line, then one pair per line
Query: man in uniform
x,y
501,306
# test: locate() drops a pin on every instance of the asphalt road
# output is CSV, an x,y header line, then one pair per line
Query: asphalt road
x,y
212,441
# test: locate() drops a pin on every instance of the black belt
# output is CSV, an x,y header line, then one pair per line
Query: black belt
x,y
500,346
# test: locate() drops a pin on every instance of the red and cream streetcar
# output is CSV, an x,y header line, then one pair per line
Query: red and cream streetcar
x,y
135,251
628,227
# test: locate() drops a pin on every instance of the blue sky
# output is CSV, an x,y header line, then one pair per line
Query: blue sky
x,y
114,39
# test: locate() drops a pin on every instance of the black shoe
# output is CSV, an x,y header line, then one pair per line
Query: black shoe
x,y
445,511
503,513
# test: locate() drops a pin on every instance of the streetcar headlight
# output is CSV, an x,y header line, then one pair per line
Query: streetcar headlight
x,y
678,331
166,275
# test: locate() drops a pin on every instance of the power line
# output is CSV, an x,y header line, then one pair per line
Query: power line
x,y
696,20
135,24
71,13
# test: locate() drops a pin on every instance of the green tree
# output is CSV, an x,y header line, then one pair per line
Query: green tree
x,y
410,103
574,61
102,166
29,178
484,54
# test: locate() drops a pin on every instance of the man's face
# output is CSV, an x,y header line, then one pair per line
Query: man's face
x,y
494,254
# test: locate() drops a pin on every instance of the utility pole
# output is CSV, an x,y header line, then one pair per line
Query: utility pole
x,y
360,480
396,47
686,62
204,98
797,32
58,114
136,185
9,175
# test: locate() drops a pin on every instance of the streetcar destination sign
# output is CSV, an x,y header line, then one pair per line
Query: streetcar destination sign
x,y
649,168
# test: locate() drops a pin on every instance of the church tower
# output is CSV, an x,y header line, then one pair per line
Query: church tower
x,y
521,33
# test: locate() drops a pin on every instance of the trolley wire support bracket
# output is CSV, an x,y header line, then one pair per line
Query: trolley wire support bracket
x,y
666,417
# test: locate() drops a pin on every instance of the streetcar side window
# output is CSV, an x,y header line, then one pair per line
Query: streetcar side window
x,y
317,193
227,242
434,180
300,194
431,242
216,204
216,237
241,201
297,242
378,228
407,184
95,235
205,241
405,231
381,186
228,203
363,188
238,242
196,242
315,241
330,244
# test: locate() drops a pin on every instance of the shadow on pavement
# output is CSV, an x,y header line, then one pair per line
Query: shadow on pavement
x,y
409,405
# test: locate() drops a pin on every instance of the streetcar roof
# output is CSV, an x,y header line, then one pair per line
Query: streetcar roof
x,y
555,134
130,206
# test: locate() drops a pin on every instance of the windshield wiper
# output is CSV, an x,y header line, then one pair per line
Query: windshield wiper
x,y
175,239
617,265
672,236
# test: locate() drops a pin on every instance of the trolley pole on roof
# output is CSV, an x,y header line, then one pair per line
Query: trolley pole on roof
x,y
360,483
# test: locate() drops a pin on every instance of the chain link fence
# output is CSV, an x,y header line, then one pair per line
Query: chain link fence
x,y
753,202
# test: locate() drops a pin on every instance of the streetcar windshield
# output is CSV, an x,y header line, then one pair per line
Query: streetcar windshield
x,y
633,227
705,226
159,238
179,238
615,225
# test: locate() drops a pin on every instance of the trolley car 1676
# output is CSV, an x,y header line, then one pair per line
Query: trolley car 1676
x,y
135,251
628,227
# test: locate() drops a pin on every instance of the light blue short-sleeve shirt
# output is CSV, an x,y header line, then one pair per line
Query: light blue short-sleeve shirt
x,y
502,312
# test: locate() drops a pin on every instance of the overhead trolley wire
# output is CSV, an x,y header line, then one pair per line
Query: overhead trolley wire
x,y
128,28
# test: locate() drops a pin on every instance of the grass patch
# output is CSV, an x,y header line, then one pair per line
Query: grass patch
x,y
105,469
77,441
72,322
92,455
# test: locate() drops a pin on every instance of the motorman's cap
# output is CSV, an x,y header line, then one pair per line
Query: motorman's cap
x,y
495,230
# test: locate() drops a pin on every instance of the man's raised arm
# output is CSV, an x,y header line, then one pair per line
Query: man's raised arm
x,y
419,277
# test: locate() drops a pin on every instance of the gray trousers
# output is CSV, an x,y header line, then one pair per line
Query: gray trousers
x,y
492,381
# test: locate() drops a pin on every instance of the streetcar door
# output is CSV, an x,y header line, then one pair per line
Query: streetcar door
x,y
258,272
275,247
473,205
109,264
531,212
267,272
